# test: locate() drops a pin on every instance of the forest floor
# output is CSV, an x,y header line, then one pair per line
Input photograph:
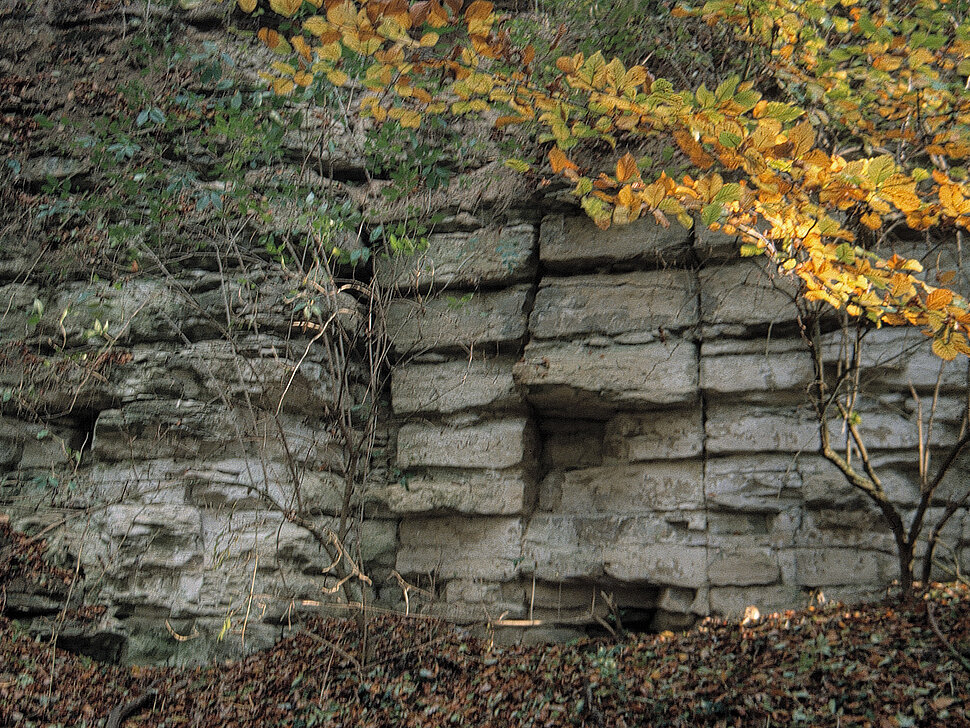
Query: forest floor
x,y
881,665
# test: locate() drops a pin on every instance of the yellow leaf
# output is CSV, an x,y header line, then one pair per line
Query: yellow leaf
x,y
247,6
945,349
302,78
269,37
283,86
410,119
301,46
316,25
285,68
939,299
626,168
626,198
337,77
478,10
330,52
286,8
428,40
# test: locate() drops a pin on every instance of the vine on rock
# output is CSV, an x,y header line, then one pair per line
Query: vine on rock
x,y
867,128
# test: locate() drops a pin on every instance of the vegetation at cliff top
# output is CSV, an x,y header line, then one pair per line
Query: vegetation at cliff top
x,y
863,128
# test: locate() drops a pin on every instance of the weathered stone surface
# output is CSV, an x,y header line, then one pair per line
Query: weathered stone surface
x,y
502,254
753,483
456,547
636,548
487,492
571,443
573,377
732,428
163,429
732,601
740,297
896,357
742,567
749,367
450,322
575,243
454,386
492,444
676,433
469,600
643,303
627,489
16,302
834,566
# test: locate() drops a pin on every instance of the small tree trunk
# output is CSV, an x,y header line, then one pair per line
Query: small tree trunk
x,y
904,551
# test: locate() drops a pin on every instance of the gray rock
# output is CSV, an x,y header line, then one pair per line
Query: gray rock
x,y
575,243
457,547
455,321
488,256
675,433
742,297
625,489
485,492
492,444
454,386
643,302
571,377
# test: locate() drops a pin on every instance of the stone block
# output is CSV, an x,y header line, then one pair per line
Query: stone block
x,y
751,368
731,601
568,378
450,322
742,567
675,433
822,567
733,429
454,386
161,428
488,256
155,536
483,492
633,549
756,483
895,357
712,246
632,303
458,547
575,243
491,444
625,489
16,303
739,298
468,600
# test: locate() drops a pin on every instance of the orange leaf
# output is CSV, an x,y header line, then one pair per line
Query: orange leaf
x,y
269,37
626,167
560,161
939,299
478,10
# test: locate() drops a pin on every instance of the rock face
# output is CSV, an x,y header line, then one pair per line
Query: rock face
x,y
652,442
569,412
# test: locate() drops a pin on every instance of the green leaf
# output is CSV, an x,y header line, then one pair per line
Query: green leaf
x,y
730,192
783,112
728,139
705,98
749,251
747,99
518,165
711,213
727,88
